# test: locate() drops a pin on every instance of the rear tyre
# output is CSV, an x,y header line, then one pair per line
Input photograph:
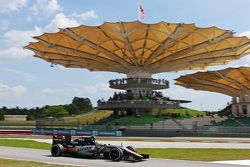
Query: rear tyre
x,y
116,154
57,150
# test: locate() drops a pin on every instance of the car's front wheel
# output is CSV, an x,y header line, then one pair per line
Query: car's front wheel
x,y
116,154
57,150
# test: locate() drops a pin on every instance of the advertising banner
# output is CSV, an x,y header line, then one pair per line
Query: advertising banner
x,y
74,132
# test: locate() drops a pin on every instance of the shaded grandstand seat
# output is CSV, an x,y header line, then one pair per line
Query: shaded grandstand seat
x,y
244,120
235,122
187,123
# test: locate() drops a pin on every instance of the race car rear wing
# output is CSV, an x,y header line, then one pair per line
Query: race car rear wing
x,y
61,139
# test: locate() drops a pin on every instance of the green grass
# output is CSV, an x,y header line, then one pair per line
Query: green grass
x,y
13,163
182,111
88,118
73,122
102,118
17,123
24,144
197,154
147,119
130,120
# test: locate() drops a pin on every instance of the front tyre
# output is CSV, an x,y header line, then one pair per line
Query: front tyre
x,y
57,150
116,154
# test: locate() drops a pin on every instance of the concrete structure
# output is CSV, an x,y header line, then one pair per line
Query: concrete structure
x,y
139,50
15,117
241,105
234,82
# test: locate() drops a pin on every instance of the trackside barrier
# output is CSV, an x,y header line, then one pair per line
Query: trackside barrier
x,y
74,132
15,132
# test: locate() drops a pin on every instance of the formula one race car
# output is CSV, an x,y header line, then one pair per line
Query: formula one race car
x,y
87,147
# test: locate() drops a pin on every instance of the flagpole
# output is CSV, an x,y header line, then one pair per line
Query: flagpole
x,y
138,11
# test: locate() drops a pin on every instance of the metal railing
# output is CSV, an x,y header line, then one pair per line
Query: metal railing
x,y
137,104
139,82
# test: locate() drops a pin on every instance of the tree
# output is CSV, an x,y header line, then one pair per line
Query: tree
x,y
56,111
2,113
80,105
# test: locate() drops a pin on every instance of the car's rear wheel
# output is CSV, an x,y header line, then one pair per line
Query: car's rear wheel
x,y
116,154
57,150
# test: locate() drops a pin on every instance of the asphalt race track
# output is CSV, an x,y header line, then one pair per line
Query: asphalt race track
x,y
44,156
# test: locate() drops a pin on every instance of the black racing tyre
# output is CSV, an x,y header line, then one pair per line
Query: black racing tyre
x,y
131,148
57,150
116,154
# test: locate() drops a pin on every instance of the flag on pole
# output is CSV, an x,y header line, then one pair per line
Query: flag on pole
x,y
141,11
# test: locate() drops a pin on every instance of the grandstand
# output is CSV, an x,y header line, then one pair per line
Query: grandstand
x,y
234,82
235,122
171,119
182,124
139,50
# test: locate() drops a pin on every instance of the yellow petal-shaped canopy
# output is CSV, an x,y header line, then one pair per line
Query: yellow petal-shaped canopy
x,y
127,46
231,81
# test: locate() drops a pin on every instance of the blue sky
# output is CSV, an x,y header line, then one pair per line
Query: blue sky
x,y
26,81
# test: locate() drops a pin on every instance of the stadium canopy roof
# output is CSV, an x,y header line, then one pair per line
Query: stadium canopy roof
x,y
231,81
126,46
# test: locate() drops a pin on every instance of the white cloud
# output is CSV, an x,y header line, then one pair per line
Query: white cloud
x,y
72,90
12,5
246,33
49,91
62,67
88,15
3,87
61,21
16,40
45,8
25,75
99,87
8,91
177,92
21,38
10,94
244,61
14,53
62,92
19,90
4,24
200,100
